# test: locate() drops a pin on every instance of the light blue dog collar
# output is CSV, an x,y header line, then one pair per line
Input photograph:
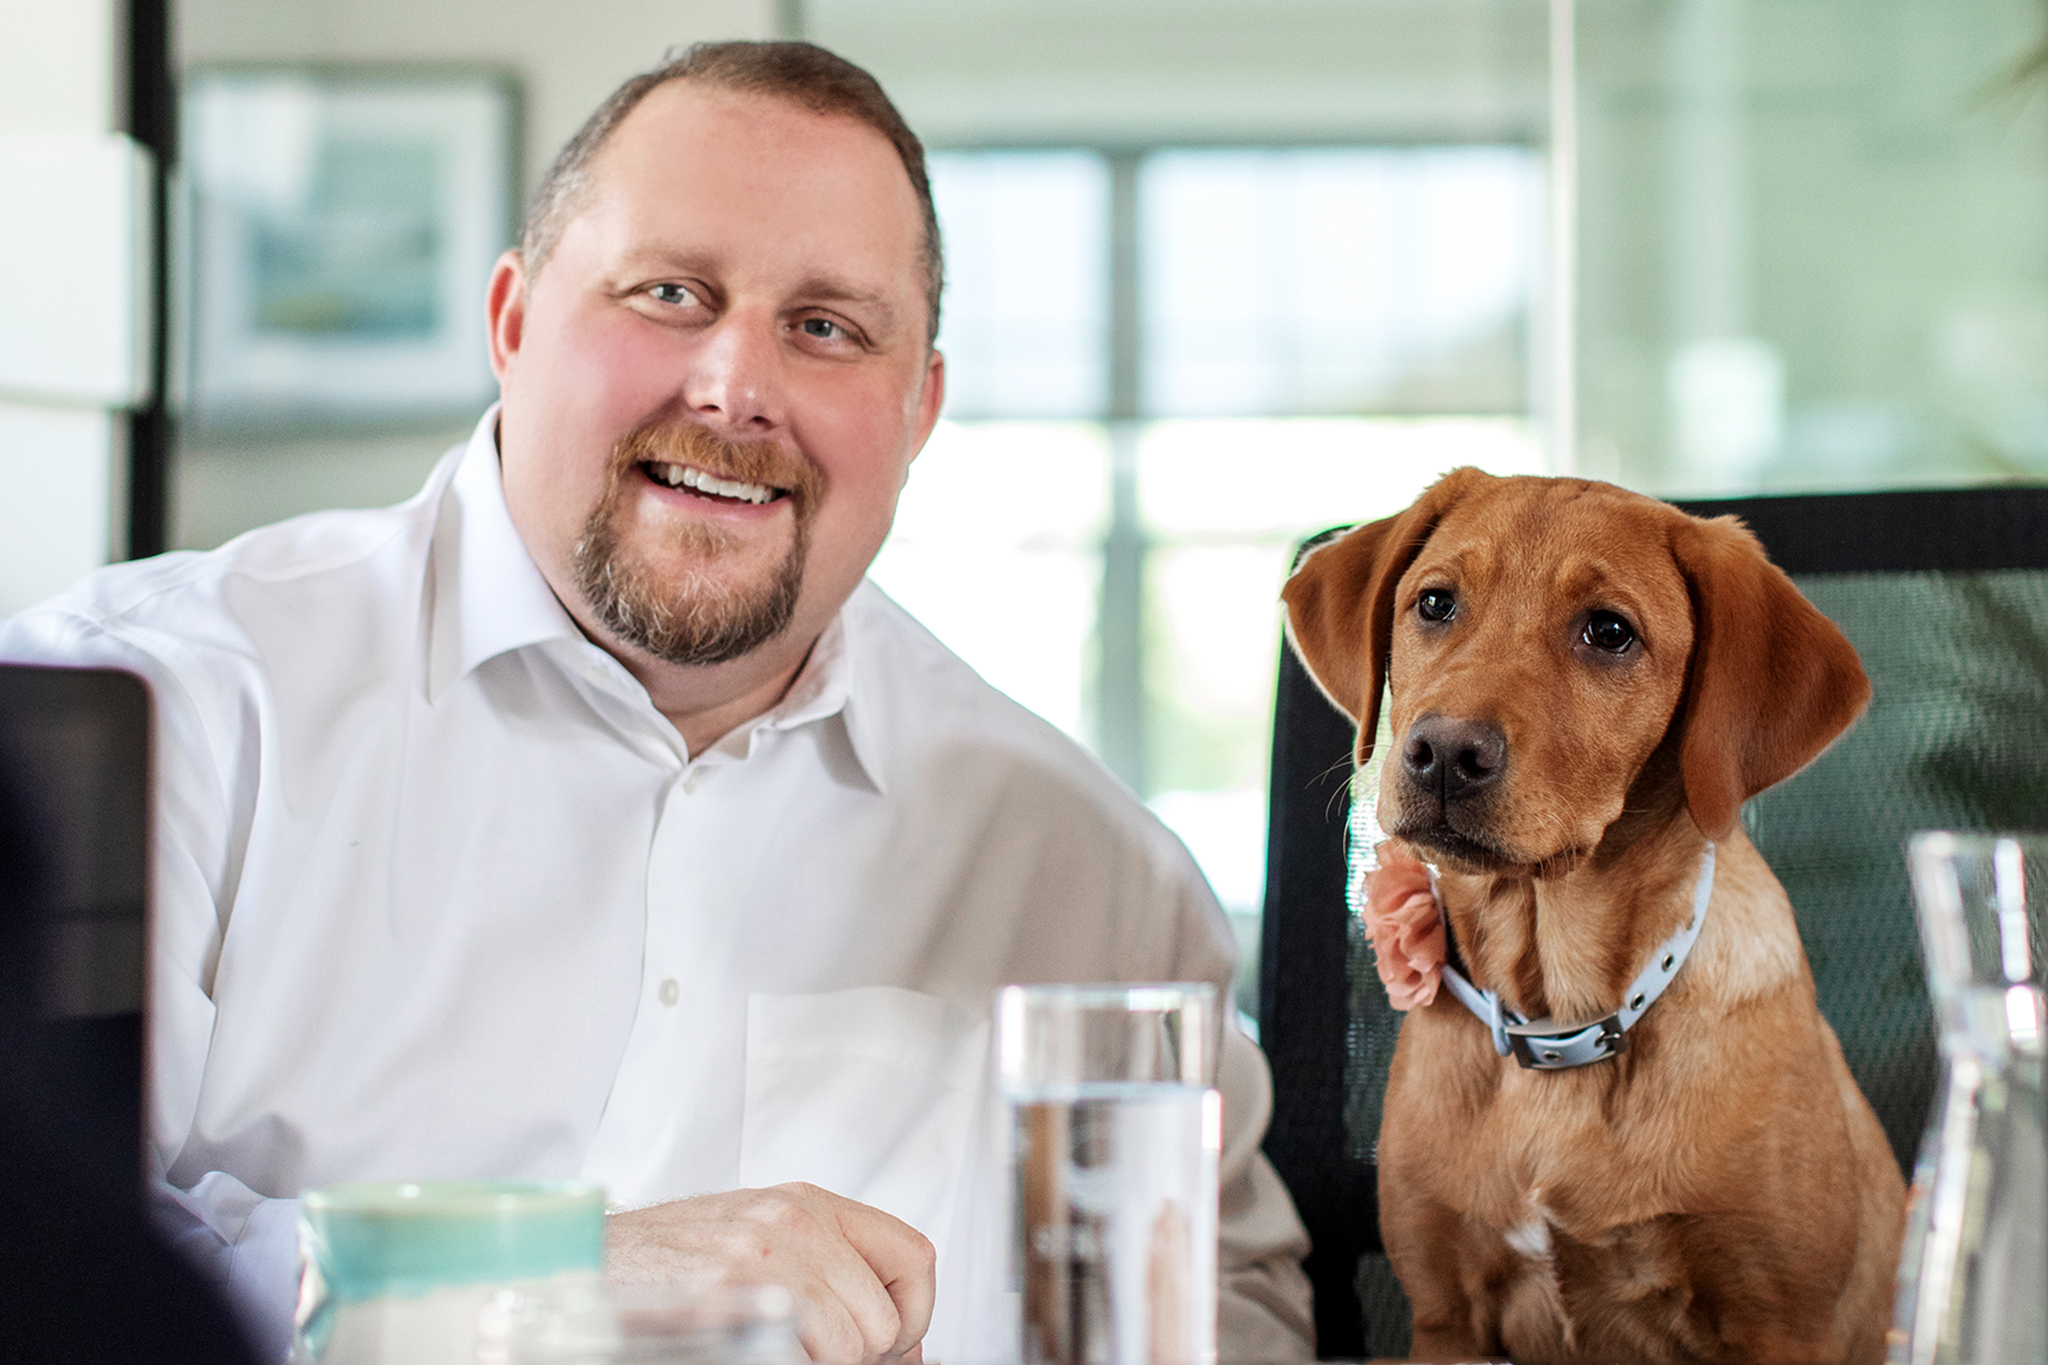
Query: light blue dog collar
x,y
1544,1044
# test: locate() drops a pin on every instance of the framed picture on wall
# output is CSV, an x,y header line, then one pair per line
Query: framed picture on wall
x,y
343,223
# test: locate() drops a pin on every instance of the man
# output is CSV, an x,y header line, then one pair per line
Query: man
x,y
590,814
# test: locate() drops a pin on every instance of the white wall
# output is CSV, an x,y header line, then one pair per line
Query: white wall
x,y
57,66
57,464
569,56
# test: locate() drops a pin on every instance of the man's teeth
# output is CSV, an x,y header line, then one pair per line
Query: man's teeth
x,y
689,476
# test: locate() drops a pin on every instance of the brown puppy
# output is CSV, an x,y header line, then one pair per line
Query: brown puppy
x,y
1585,686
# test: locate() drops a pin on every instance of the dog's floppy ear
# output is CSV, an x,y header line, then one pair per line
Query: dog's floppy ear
x,y
1773,681
1340,601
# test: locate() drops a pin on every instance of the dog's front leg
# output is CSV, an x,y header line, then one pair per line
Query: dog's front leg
x,y
1444,1270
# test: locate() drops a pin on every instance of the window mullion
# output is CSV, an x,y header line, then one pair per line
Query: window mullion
x,y
1121,726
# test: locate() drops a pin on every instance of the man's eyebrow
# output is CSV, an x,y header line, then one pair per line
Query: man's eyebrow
x,y
825,289
645,260
664,256
871,308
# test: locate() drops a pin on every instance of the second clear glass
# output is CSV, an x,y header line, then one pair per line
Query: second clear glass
x,y
1116,1134
1973,1281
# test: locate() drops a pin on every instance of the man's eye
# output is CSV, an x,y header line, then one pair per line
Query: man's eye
x,y
1605,630
824,329
672,293
1438,604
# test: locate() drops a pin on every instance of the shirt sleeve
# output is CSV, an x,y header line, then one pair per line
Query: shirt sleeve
x,y
1263,1301
1264,1310
246,1242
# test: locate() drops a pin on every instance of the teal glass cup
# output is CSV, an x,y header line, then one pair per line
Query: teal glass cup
x,y
397,1273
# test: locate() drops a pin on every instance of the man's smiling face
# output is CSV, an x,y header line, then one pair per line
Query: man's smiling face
x,y
715,384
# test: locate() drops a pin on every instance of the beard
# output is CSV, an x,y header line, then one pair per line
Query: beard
x,y
694,615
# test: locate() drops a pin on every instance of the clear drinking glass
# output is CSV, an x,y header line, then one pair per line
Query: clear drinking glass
x,y
1115,1133
1973,1282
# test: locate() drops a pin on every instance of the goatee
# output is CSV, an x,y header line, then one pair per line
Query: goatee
x,y
696,615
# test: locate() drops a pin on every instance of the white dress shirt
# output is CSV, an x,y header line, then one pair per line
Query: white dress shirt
x,y
439,893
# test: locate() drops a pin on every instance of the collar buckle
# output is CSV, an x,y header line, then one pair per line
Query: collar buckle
x,y
1541,1045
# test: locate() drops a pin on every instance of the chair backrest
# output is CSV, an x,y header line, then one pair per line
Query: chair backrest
x,y
1945,595
1312,1003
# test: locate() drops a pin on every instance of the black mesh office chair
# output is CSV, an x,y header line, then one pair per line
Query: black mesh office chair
x,y
1945,595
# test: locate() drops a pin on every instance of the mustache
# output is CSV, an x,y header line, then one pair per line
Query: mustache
x,y
686,442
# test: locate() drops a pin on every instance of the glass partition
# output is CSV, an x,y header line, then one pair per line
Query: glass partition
x,y
1309,336
1814,244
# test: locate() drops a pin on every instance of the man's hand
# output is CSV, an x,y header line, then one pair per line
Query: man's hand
x,y
863,1281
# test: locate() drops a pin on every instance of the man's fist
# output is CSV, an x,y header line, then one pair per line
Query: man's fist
x,y
863,1281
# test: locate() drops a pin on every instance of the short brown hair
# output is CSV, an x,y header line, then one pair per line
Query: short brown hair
x,y
802,73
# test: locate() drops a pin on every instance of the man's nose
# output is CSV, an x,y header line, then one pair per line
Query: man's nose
x,y
735,375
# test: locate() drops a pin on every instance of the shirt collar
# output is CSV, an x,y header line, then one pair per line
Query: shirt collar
x,y
489,598
488,595
861,712
822,689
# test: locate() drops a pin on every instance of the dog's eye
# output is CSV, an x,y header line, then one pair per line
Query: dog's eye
x,y
1438,604
1605,630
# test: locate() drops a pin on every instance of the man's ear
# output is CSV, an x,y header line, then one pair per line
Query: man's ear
x,y
1340,601
1773,681
930,399
505,310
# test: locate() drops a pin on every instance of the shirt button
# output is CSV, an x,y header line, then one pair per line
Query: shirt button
x,y
670,992
692,782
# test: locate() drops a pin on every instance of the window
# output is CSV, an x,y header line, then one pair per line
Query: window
x,y
1166,368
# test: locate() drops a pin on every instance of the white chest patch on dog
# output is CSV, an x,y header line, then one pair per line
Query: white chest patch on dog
x,y
1537,1296
1531,1239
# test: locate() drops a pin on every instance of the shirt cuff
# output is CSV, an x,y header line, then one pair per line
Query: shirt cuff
x,y
247,1244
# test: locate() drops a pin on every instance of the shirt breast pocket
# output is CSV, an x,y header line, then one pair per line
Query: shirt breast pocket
x,y
873,1094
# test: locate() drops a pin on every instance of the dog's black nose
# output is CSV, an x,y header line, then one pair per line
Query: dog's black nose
x,y
1456,758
